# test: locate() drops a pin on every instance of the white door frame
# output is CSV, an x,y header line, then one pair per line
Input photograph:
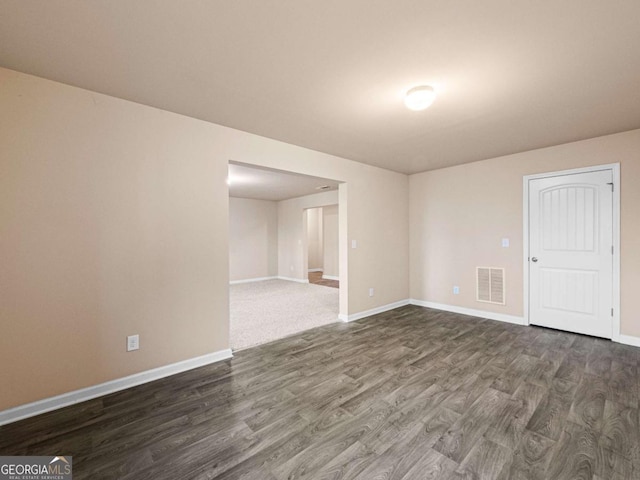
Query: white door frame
x,y
615,170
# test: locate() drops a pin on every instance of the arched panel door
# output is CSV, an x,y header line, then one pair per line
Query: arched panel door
x,y
571,252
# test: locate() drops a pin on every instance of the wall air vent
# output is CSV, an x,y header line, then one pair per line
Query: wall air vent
x,y
490,285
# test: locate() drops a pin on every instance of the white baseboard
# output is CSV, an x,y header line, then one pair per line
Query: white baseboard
x,y
291,279
501,317
251,280
373,311
311,270
629,340
53,403
330,277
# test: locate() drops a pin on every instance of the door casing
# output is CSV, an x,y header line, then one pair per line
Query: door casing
x,y
615,170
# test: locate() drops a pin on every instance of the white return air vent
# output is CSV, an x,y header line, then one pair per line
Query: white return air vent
x,y
490,285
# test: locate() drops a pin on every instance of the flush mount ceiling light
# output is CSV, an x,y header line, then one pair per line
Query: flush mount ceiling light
x,y
419,98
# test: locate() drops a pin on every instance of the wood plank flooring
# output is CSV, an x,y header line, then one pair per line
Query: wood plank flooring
x,y
316,278
412,393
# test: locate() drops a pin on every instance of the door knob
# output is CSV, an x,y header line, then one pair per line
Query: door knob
x,y
534,259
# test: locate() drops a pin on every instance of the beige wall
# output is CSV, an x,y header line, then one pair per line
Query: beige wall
x,y
114,220
315,248
330,241
253,238
459,215
343,246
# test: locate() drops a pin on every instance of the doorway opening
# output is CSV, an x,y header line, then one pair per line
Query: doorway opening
x,y
323,246
572,250
281,226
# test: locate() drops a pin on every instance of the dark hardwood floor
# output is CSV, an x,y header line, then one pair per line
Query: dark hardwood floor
x,y
316,278
408,394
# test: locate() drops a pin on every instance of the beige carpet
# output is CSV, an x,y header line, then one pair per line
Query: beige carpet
x,y
265,311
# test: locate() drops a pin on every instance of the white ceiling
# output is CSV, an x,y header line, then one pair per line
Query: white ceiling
x,y
267,184
330,75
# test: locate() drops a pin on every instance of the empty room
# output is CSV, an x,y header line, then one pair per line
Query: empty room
x,y
183,185
283,254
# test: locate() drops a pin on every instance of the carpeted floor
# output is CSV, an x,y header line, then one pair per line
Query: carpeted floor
x,y
265,311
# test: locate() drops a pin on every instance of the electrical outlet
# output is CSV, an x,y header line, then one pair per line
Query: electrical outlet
x,y
505,242
133,342
456,290
371,292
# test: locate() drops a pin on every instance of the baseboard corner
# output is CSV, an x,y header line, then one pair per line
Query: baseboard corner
x,y
628,340
374,311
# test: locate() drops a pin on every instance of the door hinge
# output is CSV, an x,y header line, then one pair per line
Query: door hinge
x,y
612,312
612,185
611,249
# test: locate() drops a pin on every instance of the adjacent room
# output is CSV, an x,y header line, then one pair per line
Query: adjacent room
x,y
283,254
319,240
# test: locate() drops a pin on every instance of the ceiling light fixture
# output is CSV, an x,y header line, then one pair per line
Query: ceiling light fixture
x,y
419,98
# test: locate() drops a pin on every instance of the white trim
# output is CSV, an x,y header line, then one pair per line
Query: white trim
x,y
616,253
373,311
330,277
311,270
500,317
525,248
629,340
71,398
573,171
615,170
251,280
291,279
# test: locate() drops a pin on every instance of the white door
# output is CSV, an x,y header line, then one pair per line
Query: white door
x,y
571,252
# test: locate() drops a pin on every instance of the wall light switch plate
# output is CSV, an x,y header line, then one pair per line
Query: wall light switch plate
x,y
354,244
371,292
505,242
456,290
133,342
